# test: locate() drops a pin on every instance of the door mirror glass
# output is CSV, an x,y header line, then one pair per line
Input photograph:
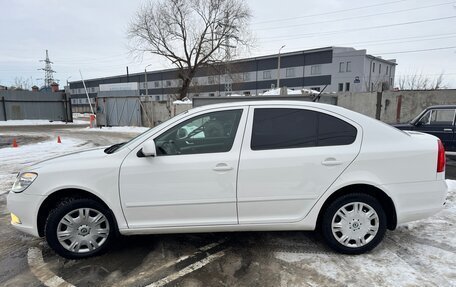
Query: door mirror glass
x,y
148,148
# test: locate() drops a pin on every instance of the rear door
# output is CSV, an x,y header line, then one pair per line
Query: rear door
x,y
440,123
289,157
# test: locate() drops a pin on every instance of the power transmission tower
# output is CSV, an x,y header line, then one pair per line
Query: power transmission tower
x,y
48,72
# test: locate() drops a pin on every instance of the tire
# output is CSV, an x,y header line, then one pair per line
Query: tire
x,y
87,228
353,223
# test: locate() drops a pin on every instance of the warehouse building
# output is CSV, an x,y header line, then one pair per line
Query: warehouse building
x,y
332,69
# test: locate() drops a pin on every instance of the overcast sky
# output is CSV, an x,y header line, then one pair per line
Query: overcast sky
x,y
90,35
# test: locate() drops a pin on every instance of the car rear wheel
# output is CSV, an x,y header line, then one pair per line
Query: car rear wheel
x,y
79,228
354,223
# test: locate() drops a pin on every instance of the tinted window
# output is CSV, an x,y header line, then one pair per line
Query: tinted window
x,y
208,133
297,128
334,131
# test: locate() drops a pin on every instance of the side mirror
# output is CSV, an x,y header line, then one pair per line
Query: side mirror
x,y
148,149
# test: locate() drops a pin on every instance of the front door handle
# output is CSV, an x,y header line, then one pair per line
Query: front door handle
x,y
448,130
331,162
222,167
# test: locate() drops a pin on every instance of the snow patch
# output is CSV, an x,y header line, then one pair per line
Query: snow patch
x,y
39,123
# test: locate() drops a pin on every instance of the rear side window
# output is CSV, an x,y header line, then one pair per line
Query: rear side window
x,y
298,128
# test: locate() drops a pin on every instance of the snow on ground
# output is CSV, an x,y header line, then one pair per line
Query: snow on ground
x,y
39,123
419,253
118,129
14,159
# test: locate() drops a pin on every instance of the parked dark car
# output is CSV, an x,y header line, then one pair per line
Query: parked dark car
x,y
437,121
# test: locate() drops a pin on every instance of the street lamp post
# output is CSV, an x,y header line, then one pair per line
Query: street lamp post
x,y
278,68
146,86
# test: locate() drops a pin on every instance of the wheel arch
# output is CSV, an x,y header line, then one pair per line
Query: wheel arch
x,y
386,201
54,198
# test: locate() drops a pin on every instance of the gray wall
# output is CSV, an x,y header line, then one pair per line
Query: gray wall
x,y
27,105
396,107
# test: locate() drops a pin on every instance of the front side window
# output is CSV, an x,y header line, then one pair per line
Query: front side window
x,y
208,133
438,117
298,128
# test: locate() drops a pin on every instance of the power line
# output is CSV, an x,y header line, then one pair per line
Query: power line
x,y
415,51
280,38
356,18
331,12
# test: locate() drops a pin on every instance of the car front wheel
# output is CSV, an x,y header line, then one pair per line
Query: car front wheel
x,y
79,228
354,223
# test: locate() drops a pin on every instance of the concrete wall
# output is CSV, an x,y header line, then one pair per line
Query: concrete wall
x,y
396,107
156,112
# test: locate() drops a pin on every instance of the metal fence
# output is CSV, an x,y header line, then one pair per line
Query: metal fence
x,y
26,105
118,108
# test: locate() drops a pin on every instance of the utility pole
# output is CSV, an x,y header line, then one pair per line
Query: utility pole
x,y
278,68
146,86
48,72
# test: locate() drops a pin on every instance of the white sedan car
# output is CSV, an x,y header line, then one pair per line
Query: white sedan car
x,y
249,166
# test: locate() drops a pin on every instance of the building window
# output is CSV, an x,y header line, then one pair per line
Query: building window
x,y
266,74
290,72
341,67
195,81
391,82
168,83
315,70
373,67
210,80
347,86
341,87
372,87
156,84
349,66
379,68
246,77
387,70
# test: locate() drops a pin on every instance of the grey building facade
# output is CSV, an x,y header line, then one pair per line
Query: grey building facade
x,y
331,68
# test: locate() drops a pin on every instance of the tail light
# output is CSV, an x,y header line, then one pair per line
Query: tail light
x,y
441,157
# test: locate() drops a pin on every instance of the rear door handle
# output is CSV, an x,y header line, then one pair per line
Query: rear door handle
x,y
331,162
222,167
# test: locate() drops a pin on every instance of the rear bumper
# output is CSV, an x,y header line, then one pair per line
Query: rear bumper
x,y
419,200
25,207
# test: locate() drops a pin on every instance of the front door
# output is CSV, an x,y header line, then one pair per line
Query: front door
x,y
192,179
289,158
440,123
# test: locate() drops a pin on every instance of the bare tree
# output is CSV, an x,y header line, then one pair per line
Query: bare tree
x,y
190,33
418,81
21,84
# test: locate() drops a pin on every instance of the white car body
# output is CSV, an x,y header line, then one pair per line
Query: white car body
x,y
242,189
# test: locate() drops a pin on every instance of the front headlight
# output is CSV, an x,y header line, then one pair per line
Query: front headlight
x,y
23,181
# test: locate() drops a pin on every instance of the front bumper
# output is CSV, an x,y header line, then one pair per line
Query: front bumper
x,y
25,207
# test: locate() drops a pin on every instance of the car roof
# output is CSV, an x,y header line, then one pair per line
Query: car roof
x,y
442,107
268,103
